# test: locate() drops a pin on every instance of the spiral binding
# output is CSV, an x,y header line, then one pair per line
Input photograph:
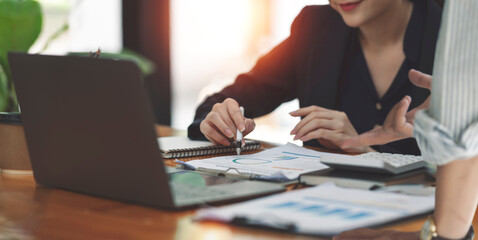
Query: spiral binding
x,y
210,150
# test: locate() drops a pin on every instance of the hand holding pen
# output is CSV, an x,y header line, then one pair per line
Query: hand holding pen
x,y
239,137
223,121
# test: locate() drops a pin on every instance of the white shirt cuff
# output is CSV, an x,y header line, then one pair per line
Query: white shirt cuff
x,y
437,143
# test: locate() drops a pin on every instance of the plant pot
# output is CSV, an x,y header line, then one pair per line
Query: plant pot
x,y
14,157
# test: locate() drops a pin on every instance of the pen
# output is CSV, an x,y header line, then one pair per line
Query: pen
x,y
271,224
186,165
227,173
239,136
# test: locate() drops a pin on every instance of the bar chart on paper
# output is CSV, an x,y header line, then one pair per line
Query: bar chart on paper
x,y
323,210
283,163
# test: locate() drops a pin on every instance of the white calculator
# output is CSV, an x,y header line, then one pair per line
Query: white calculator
x,y
375,162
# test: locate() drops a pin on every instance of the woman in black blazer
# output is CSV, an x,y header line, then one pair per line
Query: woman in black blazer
x,y
348,65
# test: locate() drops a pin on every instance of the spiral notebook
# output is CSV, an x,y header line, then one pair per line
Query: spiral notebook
x,y
178,147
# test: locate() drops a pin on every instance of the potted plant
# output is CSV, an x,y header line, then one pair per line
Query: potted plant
x,y
20,26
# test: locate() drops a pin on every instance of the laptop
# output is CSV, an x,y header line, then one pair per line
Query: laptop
x,y
90,129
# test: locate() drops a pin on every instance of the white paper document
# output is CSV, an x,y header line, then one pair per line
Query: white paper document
x,y
323,210
180,142
286,162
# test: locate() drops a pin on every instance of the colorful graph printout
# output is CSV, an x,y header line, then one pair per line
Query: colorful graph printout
x,y
286,162
323,210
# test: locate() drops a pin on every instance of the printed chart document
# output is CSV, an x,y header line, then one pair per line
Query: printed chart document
x,y
324,210
284,163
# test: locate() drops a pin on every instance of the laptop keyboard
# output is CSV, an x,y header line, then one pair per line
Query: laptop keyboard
x,y
186,191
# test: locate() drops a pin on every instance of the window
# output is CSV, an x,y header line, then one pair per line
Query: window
x,y
92,25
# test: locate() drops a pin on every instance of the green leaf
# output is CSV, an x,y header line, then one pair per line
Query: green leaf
x,y
64,28
20,26
3,91
145,65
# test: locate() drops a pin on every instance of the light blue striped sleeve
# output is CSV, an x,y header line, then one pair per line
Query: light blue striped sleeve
x,y
448,130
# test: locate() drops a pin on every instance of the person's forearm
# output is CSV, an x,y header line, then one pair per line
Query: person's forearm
x,y
456,197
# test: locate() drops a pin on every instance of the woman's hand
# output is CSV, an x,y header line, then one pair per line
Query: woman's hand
x,y
329,127
221,124
399,123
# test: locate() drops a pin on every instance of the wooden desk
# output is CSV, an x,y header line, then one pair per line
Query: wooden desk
x,y
30,211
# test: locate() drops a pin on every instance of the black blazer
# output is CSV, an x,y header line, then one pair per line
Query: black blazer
x,y
307,66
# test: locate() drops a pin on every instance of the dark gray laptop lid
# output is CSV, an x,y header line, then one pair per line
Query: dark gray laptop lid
x,y
89,127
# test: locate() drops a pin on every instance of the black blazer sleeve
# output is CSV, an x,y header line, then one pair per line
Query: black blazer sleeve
x,y
270,83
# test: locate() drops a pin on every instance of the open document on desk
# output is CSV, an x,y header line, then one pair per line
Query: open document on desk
x,y
284,163
325,210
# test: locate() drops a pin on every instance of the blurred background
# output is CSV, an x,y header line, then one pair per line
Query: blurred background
x,y
197,46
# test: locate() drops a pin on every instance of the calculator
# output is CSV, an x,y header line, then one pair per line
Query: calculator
x,y
389,163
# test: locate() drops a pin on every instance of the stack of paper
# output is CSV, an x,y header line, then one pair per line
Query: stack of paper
x,y
324,210
281,163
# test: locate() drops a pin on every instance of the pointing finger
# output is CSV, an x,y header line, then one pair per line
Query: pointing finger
x,y
420,79
306,111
